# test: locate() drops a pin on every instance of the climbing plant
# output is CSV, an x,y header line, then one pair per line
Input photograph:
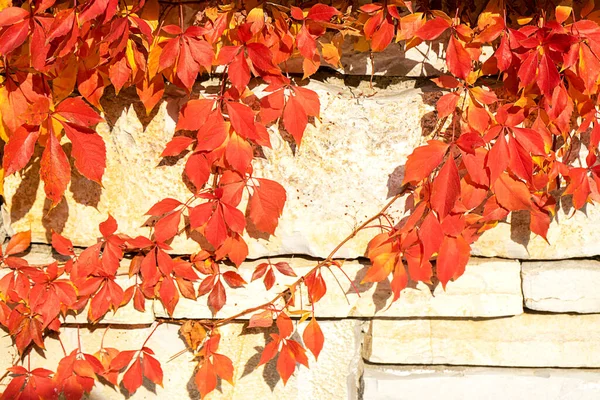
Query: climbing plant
x,y
518,130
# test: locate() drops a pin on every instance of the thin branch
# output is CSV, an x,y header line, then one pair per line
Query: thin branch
x,y
327,261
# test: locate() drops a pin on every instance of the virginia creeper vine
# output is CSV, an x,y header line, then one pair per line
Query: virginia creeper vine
x,y
511,128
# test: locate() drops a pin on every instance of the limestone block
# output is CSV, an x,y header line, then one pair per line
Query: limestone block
x,y
460,383
345,169
335,375
562,286
489,288
424,60
526,340
572,234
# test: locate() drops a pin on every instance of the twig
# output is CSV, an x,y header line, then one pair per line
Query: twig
x,y
328,260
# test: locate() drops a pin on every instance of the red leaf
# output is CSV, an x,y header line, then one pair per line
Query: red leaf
x,y
316,286
89,151
452,259
234,279
498,158
446,189
18,243
512,194
77,111
216,229
447,104
167,226
133,378
306,43
206,378
259,271
548,77
18,150
261,57
238,153
424,160
399,280
383,36
285,268
433,28
223,367
313,337
62,245
284,325
458,59
217,297
108,227
212,134
503,55
176,146
14,37
194,114
242,119
164,206
269,352
266,205
55,170
295,119
197,169
286,363
321,12
152,369
263,319
528,69
309,100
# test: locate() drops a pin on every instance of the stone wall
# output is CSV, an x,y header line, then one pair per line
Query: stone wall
x,y
523,322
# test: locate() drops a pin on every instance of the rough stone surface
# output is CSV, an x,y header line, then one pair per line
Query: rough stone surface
x,y
335,375
571,235
527,340
489,288
426,59
346,168
562,286
459,383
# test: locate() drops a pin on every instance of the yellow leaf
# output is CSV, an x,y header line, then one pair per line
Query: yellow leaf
x,y
524,20
331,54
129,52
362,44
5,4
563,12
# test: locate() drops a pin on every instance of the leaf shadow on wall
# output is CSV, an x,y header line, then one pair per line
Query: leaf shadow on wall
x,y
26,192
383,291
269,374
114,106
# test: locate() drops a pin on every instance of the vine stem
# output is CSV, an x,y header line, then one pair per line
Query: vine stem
x,y
326,261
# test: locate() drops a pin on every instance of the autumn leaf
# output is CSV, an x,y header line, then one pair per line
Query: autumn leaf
x,y
424,160
313,337
446,189
266,205
55,170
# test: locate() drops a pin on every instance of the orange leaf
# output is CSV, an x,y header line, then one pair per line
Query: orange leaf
x,y
18,243
458,59
206,378
512,194
424,160
452,259
55,170
313,337
446,189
